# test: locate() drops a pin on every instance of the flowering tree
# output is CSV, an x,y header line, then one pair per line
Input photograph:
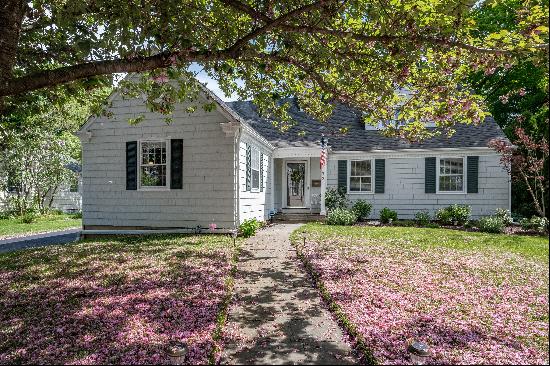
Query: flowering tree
x,y
36,144
37,167
360,52
526,162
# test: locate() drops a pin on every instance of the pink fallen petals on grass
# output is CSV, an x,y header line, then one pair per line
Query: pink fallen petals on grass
x,y
470,307
113,302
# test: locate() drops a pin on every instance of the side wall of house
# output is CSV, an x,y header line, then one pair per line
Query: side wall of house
x,y
209,179
404,189
68,201
254,203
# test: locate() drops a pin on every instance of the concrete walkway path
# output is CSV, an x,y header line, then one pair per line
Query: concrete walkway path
x,y
278,317
39,240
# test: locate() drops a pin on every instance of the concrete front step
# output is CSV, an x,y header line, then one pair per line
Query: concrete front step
x,y
307,211
294,217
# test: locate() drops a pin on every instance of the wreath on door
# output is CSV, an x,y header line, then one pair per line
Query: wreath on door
x,y
297,176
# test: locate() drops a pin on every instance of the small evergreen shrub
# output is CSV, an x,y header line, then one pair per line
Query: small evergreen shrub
x,y
335,198
362,209
491,224
406,223
504,215
454,214
341,216
387,215
29,217
422,218
536,223
249,227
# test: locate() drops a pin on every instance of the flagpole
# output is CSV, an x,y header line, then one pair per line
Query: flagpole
x,y
324,163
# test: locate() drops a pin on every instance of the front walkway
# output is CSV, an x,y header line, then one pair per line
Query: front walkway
x,y
277,316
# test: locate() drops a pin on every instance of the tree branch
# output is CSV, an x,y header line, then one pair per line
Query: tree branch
x,y
71,73
392,38
271,24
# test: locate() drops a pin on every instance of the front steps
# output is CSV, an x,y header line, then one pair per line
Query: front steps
x,y
298,215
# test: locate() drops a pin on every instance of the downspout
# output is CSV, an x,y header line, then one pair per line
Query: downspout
x,y
236,150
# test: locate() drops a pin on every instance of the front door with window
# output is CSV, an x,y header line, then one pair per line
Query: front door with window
x,y
295,183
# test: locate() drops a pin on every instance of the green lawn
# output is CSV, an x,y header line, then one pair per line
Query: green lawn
x,y
472,297
116,300
46,223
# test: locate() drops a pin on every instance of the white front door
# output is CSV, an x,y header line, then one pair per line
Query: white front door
x,y
297,188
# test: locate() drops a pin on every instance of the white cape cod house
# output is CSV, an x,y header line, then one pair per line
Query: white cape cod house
x,y
227,165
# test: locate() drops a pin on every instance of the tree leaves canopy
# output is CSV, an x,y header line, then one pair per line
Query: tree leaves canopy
x,y
402,62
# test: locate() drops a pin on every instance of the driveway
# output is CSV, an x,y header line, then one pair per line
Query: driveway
x,y
39,240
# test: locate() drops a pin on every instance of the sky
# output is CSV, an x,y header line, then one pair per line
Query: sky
x,y
210,83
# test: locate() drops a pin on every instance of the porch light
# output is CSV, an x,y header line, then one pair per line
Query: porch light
x,y
419,353
176,354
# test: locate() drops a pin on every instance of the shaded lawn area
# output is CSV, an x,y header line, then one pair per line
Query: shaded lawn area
x,y
46,223
116,301
472,297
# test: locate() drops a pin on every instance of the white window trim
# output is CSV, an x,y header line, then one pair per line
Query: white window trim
x,y
372,177
168,156
437,173
252,189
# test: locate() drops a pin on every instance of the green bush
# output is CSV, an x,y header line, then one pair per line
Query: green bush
x,y
407,223
29,217
422,218
386,215
444,216
341,216
433,225
54,211
536,223
504,215
249,227
454,214
362,209
491,224
335,198
77,215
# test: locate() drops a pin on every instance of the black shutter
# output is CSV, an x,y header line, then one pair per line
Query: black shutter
x,y
343,175
472,172
248,168
131,165
379,175
261,172
176,164
430,176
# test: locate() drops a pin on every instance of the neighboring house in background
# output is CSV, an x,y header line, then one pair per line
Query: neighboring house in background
x,y
68,197
228,165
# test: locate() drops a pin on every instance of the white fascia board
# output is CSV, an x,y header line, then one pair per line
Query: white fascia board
x,y
412,153
293,152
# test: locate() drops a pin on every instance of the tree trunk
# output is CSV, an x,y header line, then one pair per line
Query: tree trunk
x,y
533,195
11,18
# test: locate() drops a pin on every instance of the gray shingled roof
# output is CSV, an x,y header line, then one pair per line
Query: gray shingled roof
x,y
357,138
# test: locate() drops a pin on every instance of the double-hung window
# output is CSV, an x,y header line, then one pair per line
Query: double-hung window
x,y
451,175
360,177
255,168
153,164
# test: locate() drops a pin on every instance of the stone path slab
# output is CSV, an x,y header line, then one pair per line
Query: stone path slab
x,y
277,316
